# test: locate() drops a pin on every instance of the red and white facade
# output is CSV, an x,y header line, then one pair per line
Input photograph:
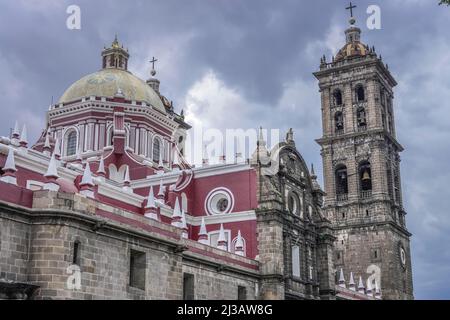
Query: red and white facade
x,y
114,138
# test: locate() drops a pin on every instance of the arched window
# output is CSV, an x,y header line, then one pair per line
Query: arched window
x,y
71,143
156,149
365,176
341,180
361,117
339,122
360,94
337,97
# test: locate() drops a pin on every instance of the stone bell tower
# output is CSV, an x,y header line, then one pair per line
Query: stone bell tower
x,y
361,164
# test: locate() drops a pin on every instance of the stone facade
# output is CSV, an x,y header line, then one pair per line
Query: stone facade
x,y
38,248
294,239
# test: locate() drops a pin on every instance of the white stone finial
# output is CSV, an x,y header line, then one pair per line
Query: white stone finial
x,y
151,199
47,146
351,284
239,245
203,234
24,137
126,179
183,225
176,216
57,150
342,279
222,241
176,160
51,175
87,176
161,192
87,184
361,288
101,167
150,208
10,169
16,132
52,171
10,164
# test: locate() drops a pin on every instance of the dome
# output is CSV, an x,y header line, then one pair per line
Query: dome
x,y
353,47
107,82
352,50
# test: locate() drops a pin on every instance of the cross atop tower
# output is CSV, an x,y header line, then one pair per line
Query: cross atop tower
x,y
153,66
351,7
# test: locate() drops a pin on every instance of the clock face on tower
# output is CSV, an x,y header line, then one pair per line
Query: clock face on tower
x,y
402,254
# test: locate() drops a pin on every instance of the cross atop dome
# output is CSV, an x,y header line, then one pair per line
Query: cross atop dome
x,y
352,19
115,57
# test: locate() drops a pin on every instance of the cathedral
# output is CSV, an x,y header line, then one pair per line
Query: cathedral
x,y
105,205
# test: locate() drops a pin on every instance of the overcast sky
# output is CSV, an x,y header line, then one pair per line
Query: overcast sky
x,y
246,63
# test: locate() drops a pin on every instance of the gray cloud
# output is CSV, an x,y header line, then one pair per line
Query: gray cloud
x,y
261,55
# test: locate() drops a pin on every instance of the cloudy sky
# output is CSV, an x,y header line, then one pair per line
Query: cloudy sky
x,y
246,63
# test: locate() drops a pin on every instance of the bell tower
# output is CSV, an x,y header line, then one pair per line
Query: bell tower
x,y
361,168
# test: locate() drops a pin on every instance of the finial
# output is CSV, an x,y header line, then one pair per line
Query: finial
x,y
52,171
150,207
312,170
87,176
203,234
352,19
115,43
16,133
351,284
342,279
176,160
57,149
161,192
176,216
126,179
361,286
24,137
47,147
261,141
239,245
10,163
87,184
101,167
51,175
183,226
290,136
9,175
153,72
222,241
151,199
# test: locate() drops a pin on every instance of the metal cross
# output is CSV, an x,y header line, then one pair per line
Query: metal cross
x,y
351,7
153,62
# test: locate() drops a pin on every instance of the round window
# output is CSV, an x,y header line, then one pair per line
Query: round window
x,y
219,201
